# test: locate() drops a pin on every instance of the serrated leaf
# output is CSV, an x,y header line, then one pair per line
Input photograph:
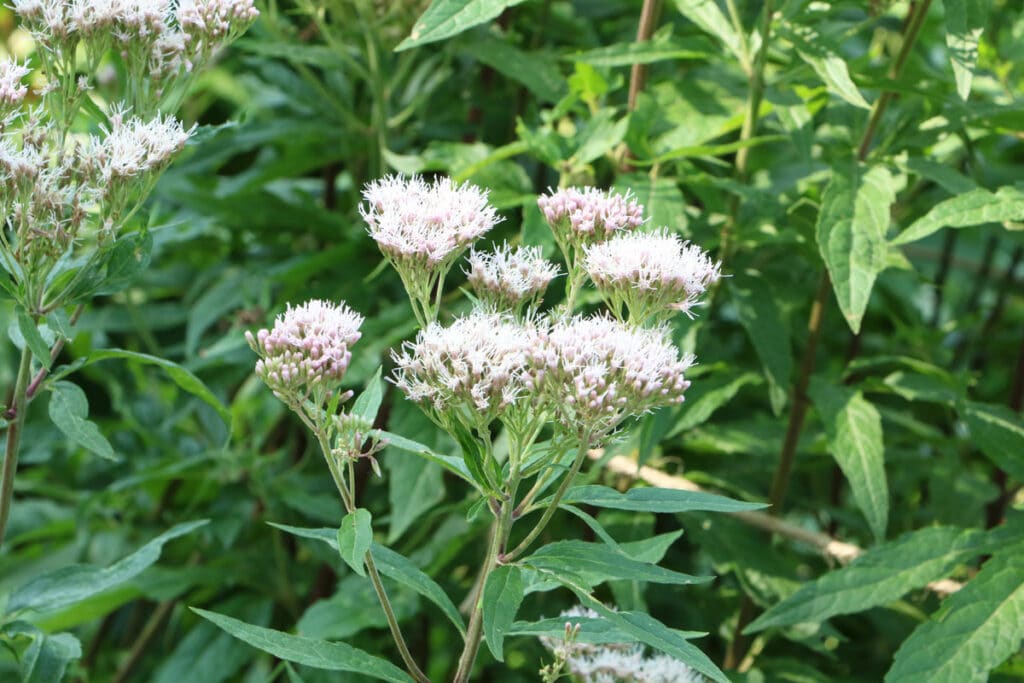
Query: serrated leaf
x,y
595,563
854,430
877,577
451,463
446,18
69,410
818,53
534,69
652,499
976,207
503,593
851,229
319,654
701,405
646,52
33,339
709,17
74,583
974,631
595,631
355,536
762,318
965,22
998,432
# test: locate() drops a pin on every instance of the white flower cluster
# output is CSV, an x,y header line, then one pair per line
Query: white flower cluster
x,y
472,370
650,274
595,372
425,224
307,349
616,662
507,279
12,89
136,147
214,21
588,215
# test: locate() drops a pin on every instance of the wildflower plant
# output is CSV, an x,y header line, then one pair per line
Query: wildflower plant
x,y
549,386
79,155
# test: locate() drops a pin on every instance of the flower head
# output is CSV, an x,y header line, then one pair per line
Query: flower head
x,y
595,372
12,89
473,370
588,215
650,273
215,21
136,147
507,279
307,348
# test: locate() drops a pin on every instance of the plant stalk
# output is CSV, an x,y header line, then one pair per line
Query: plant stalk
x,y
17,411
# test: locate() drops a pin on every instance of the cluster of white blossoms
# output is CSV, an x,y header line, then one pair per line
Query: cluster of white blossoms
x,y
307,349
508,279
594,372
421,224
651,275
472,370
157,40
615,662
135,147
12,86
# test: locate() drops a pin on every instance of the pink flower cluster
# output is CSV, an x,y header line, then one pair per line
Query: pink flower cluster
x,y
307,348
12,90
588,215
423,224
595,372
506,278
650,272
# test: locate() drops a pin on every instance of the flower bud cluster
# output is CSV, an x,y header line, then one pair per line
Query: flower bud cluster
x,y
595,372
651,275
473,370
215,21
616,662
12,88
588,215
307,349
507,279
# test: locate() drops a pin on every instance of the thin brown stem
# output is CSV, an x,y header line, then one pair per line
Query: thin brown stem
x,y
649,14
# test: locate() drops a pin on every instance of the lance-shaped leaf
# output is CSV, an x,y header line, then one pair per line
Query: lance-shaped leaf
x,y
820,55
653,499
355,536
69,410
976,207
446,18
852,222
965,20
877,577
761,316
319,654
503,593
999,433
710,18
976,628
854,430
593,563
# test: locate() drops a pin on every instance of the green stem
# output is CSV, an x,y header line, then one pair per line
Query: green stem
x,y
474,632
14,430
550,511
378,586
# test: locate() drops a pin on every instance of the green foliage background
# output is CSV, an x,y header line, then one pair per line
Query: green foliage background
x,y
912,379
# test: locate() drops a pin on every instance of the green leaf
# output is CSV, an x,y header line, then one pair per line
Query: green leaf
x,y
709,17
69,410
534,69
601,134
646,52
852,223
355,536
976,207
503,593
878,577
975,630
415,485
854,430
319,654
595,563
651,499
817,52
391,565
998,432
74,583
592,631
184,379
451,463
446,18
761,315
400,569
30,333
965,21
701,404
368,402
47,656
